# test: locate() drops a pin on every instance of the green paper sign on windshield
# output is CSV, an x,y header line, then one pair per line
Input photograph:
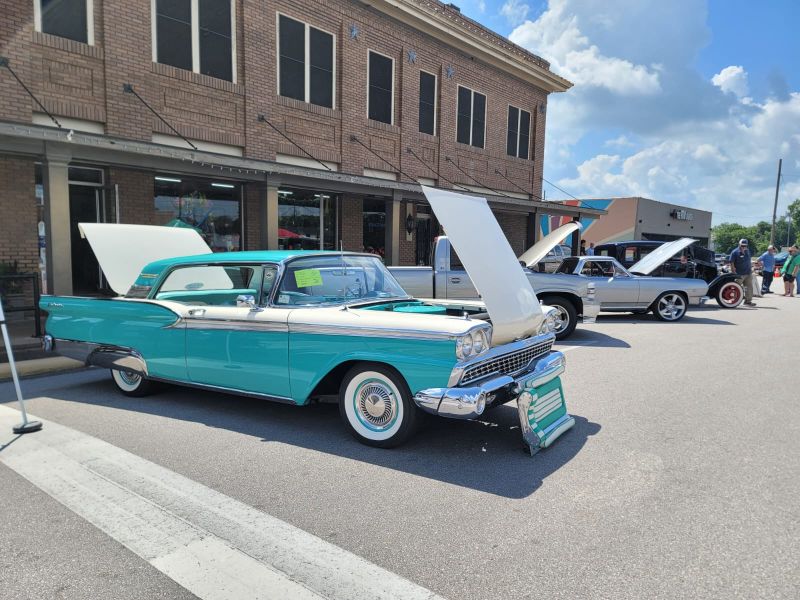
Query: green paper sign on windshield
x,y
308,277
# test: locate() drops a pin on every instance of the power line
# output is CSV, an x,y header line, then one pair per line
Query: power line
x,y
438,174
4,62
128,89
263,119
499,172
363,145
455,164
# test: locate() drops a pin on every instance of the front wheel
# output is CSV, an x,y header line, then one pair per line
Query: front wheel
x,y
669,306
730,294
567,317
132,384
375,404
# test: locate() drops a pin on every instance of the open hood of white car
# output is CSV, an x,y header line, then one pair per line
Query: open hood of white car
x,y
659,256
122,250
490,262
539,250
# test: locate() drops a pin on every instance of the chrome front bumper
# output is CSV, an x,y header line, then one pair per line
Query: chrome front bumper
x,y
470,402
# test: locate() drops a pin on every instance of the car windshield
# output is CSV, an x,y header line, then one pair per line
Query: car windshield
x,y
336,279
568,265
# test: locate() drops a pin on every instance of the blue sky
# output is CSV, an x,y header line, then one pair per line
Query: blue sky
x,y
686,101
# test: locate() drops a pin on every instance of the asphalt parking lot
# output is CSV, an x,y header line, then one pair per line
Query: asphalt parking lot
x,y
680,479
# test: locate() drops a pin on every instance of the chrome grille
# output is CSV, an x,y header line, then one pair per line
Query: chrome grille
x,y
508,364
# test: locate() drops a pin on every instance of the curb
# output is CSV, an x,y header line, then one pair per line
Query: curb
x,y
40,366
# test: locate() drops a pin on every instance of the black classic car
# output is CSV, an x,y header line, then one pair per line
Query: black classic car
x,y
693,261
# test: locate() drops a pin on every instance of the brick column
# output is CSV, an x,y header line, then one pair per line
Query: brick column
x,y
58,234
394,224
352,222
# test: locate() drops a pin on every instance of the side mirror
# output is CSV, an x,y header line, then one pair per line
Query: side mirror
x,y
247,301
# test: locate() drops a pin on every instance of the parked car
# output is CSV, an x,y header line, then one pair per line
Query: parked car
x,y
620,290
550,261
296,326
448,278
692,261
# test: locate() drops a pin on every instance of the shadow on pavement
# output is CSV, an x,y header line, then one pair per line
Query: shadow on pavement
x,y
592,338
690,318
483,455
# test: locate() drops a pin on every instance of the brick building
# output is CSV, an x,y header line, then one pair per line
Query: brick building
x,y
261,124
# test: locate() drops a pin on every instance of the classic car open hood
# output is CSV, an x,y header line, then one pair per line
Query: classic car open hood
x,y
488,259
122,250
539,250
659,256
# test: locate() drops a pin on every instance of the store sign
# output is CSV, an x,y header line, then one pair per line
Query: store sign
x,y
681,215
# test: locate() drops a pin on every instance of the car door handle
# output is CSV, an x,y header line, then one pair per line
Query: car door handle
x,y
455,280
197,312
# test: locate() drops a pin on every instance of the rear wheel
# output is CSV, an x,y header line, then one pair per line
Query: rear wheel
x,y
670,306
375,404
132,384
730,294
567,317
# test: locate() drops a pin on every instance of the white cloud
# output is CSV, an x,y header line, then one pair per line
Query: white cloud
x,y
515,11
732,80
482,6
619,142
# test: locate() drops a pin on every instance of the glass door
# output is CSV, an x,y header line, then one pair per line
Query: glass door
x,y
86,205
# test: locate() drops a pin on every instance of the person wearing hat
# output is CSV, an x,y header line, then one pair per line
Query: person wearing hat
x,y
790,269
741,265
767,262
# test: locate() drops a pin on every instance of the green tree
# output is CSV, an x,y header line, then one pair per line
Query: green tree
x,y
726,236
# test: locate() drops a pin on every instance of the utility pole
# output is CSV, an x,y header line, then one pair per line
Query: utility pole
x,y
775,207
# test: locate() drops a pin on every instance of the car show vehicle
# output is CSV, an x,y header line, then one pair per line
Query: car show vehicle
x,y
693,261
618,290
448,278
300,326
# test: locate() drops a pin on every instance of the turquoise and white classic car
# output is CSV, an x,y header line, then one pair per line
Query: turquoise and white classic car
x,y
297,326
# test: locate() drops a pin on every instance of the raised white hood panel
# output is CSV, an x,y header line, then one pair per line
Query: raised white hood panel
x,y
490,262
539,250
659,256
122,250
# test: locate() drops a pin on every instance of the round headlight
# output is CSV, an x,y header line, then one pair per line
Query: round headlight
x,y
460,348
466,346
478,343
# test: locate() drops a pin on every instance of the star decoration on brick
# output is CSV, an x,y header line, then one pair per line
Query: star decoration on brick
x,y
412,56
449,71
354,31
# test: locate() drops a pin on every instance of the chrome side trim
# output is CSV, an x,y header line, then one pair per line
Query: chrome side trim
x,y
235,325
226,390
370,332
105,356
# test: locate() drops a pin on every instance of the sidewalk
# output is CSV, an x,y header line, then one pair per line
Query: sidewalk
x,y
28,354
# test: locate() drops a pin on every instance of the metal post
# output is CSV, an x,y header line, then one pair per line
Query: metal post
x,y
775,206
26,426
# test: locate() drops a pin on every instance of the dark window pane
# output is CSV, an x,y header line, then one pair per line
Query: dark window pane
x,y
380,71
427,102
478,119
65,18
380,88
215,15
215,55
321,76
524,133
292,41
513,123
380,105
180,10
174,43
293,81
464,115
463,129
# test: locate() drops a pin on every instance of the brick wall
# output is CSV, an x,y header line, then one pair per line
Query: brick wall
x,y
352,223
136,200
19,239
255,195
514,226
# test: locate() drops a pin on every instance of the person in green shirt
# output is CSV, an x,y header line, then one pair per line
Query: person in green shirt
x,y
790,269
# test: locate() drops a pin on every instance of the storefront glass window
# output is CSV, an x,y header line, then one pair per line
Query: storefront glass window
x,y
212,208
306,220
375,226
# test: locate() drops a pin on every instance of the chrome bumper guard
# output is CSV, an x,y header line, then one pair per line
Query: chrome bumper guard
x,y
470,402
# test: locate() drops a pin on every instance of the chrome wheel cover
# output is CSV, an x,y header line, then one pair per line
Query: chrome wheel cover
x,y
375,405
561,319
131,379
671,307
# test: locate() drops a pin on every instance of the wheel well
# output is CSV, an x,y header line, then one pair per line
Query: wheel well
x,y
680,293
329,385
571,298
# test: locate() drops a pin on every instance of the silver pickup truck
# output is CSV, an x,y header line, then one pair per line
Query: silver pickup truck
x,y
573,297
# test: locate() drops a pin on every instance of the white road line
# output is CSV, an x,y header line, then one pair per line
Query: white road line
x,y
576,346
214,546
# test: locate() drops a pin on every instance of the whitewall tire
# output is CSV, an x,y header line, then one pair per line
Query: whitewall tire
x,y
131,384
375,404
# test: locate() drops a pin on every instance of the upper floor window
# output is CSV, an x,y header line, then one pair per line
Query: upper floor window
x,y
471,126
196,35
427,103
71,19
519,127
380,98
305,62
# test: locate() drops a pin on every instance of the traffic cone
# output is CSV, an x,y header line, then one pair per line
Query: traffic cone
x,y
777,272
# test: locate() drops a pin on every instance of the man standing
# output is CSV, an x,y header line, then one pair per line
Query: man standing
x,y
790,270
741,265
590,249
767,262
